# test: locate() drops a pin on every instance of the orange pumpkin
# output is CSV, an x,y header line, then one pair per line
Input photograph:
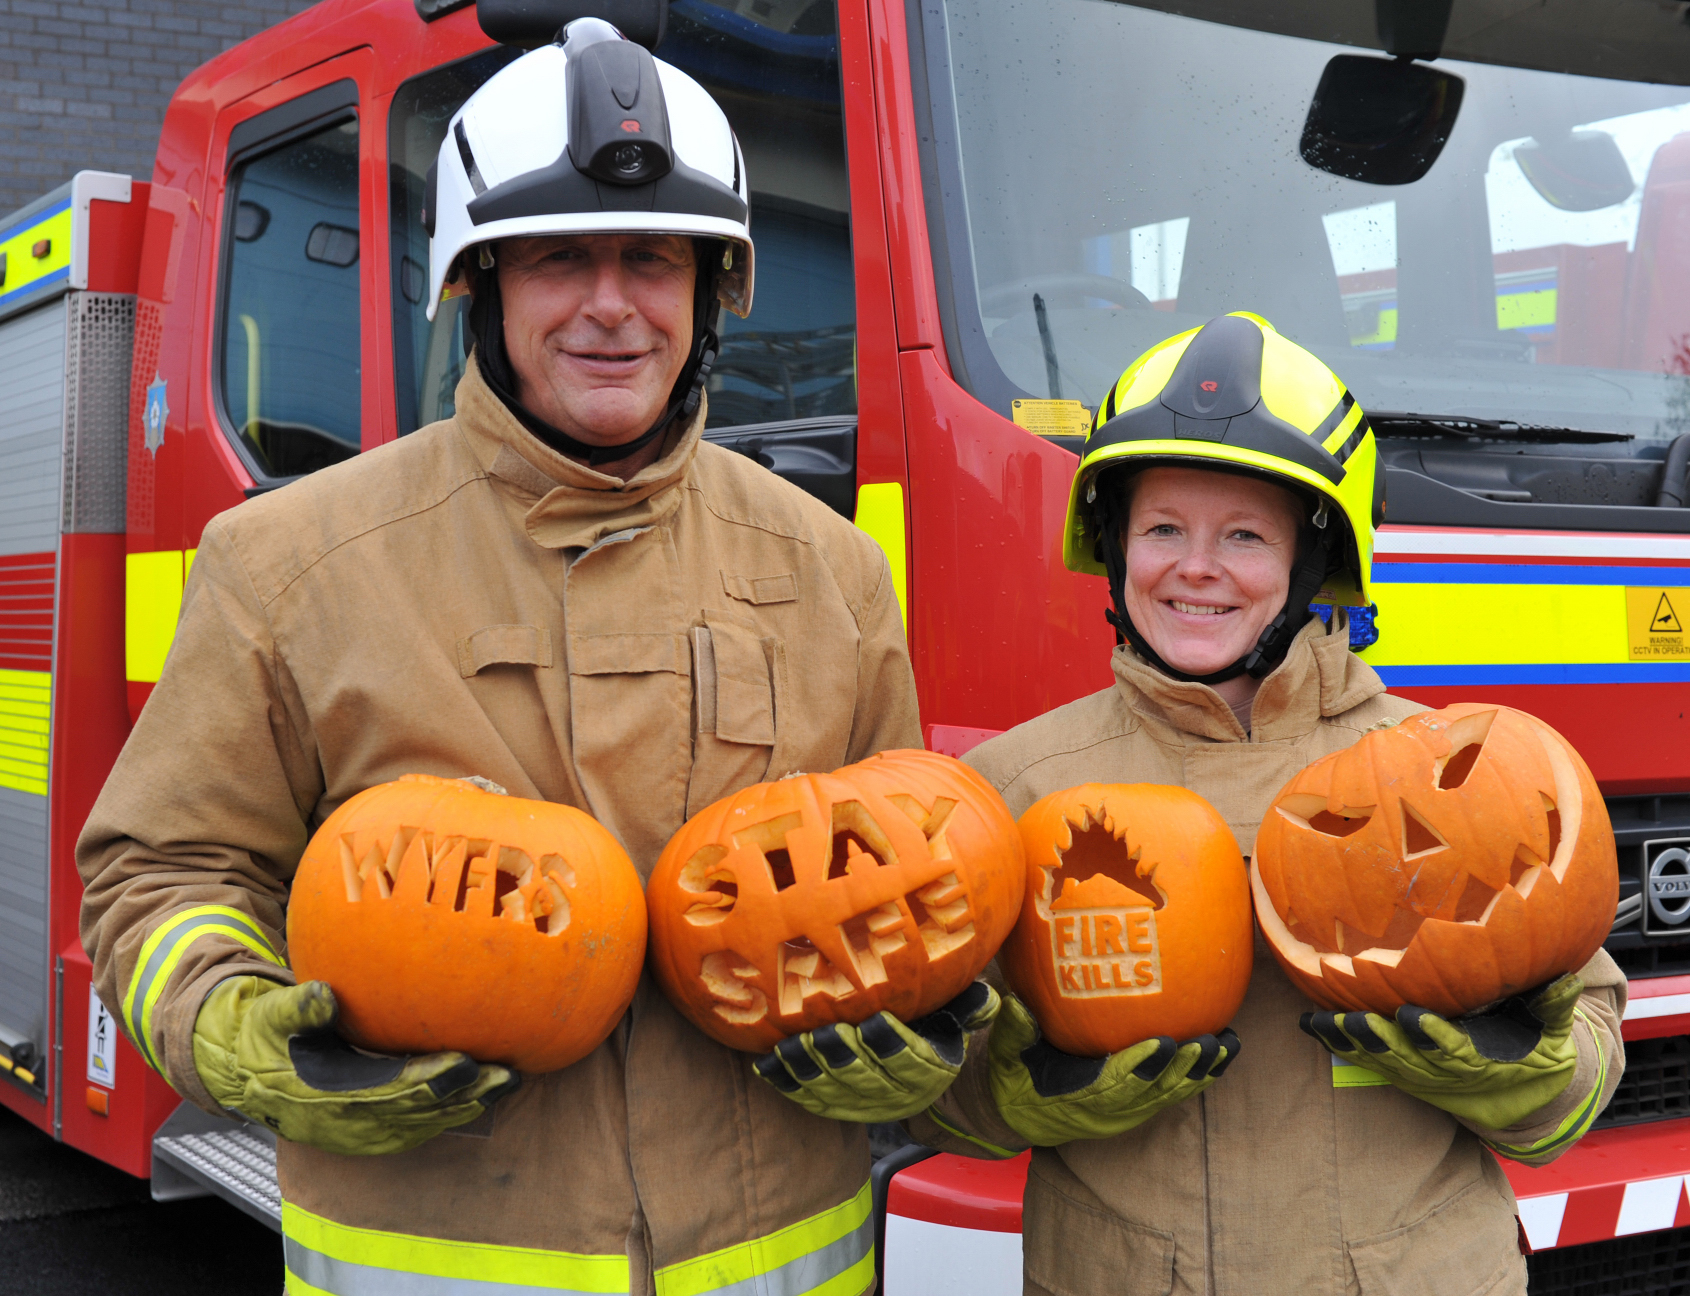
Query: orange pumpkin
x,y
822,898
1136,920
1450,861
445,916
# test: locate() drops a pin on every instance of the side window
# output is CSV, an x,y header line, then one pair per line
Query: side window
x,y
288,372
774,68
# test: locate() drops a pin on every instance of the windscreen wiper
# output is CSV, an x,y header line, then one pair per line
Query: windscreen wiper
x,y
1401,423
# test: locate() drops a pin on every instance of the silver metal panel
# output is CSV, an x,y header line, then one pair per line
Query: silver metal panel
x,y
101,341
32,420
195,1154
24,963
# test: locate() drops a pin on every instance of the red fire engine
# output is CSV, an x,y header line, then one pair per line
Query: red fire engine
x,y
970,215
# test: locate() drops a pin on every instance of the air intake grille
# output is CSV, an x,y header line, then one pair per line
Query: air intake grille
x,y
1656,1084
1653,960
1646,1264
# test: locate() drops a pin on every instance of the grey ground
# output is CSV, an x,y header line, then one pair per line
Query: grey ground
x,y
70,1226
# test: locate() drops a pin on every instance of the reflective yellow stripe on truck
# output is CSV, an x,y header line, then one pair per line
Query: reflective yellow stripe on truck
x,y
25,725
152,602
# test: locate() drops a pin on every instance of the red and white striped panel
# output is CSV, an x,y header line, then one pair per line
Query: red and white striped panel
x,y
953,1228
1612,1183
1657,1007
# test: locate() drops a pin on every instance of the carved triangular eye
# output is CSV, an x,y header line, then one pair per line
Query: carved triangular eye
x,y
1418,836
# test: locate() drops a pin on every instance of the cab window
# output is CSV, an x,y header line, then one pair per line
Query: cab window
x,y
288,373
774,68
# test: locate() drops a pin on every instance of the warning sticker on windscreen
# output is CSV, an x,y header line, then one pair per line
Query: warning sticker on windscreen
x,y
1654,624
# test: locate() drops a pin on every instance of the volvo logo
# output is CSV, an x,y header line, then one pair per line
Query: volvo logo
x,y
1669,886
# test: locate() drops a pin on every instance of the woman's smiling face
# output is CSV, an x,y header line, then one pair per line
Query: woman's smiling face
x,y
1209,559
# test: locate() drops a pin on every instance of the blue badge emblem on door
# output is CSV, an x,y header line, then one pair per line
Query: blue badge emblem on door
x,y
154,415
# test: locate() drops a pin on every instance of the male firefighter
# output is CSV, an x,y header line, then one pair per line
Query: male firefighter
x,y
561,589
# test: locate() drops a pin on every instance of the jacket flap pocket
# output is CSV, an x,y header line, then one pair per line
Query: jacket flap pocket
x,y
1473,1237
628,654
745,700
504,645
1118,1256
761,589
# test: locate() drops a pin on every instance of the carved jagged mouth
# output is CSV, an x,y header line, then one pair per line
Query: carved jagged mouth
x,y
460,874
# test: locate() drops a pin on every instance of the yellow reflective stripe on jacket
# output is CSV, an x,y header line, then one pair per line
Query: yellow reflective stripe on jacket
x,y
830,1254
1349,1075
164,950
1577,1122
324,1258
934,1115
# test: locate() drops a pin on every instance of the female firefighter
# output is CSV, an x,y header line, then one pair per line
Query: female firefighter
x,y
1230,479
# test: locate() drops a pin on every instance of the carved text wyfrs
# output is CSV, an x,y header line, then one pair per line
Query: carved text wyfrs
x,y
1105,952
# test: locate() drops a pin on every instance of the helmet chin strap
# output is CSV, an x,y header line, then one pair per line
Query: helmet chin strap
x,y
1274,641
486,321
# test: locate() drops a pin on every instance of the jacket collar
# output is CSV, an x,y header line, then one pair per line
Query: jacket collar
x,y
571,505
1319,677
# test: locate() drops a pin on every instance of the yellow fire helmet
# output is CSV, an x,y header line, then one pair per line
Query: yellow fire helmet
x,y
1234,396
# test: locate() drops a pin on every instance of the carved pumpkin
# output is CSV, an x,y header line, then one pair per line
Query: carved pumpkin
x,y
1136,919
444,916
822,898
1455,859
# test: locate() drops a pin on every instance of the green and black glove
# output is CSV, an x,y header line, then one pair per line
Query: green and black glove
x,y
270,1052
882,1070
1493,1068
1050,1097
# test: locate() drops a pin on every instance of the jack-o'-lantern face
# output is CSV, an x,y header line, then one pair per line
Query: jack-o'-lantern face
x,y
1460,857
1136,919
829,897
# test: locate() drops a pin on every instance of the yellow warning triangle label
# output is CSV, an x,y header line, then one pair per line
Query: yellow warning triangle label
x,y
1666,620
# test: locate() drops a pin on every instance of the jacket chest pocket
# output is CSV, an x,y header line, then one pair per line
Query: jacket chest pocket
x,y
738,676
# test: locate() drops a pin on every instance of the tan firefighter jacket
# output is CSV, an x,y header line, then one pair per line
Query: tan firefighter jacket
x,y
1289,1175
462,602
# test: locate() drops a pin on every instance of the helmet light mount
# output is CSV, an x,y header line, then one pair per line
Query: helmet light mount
x,y
618,122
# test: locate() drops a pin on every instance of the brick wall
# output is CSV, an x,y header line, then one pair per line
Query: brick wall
x,y
85,85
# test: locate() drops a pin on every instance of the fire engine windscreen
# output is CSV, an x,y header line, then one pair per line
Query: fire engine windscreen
x,y
1130,173
289,371
775,72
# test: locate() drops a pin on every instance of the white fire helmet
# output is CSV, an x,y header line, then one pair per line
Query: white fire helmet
x,y
586,136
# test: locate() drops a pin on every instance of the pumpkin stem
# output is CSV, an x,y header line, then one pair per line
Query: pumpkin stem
x,y
485,784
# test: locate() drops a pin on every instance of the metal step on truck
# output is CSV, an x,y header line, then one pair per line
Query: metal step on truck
x,y
970,215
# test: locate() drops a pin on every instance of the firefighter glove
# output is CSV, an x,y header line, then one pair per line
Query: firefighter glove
x,y
1493,1068
270,1052
882,1070
1050,1097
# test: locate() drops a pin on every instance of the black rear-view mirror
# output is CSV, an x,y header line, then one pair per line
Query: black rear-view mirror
x,y
1381,121
1582,171
532,23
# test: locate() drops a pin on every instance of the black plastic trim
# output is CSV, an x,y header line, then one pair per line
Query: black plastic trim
x,y
819,455
880,1184
1424,501
560,187
297,116
429,10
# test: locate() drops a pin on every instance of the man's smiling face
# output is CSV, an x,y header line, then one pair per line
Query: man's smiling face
x,y
598,327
